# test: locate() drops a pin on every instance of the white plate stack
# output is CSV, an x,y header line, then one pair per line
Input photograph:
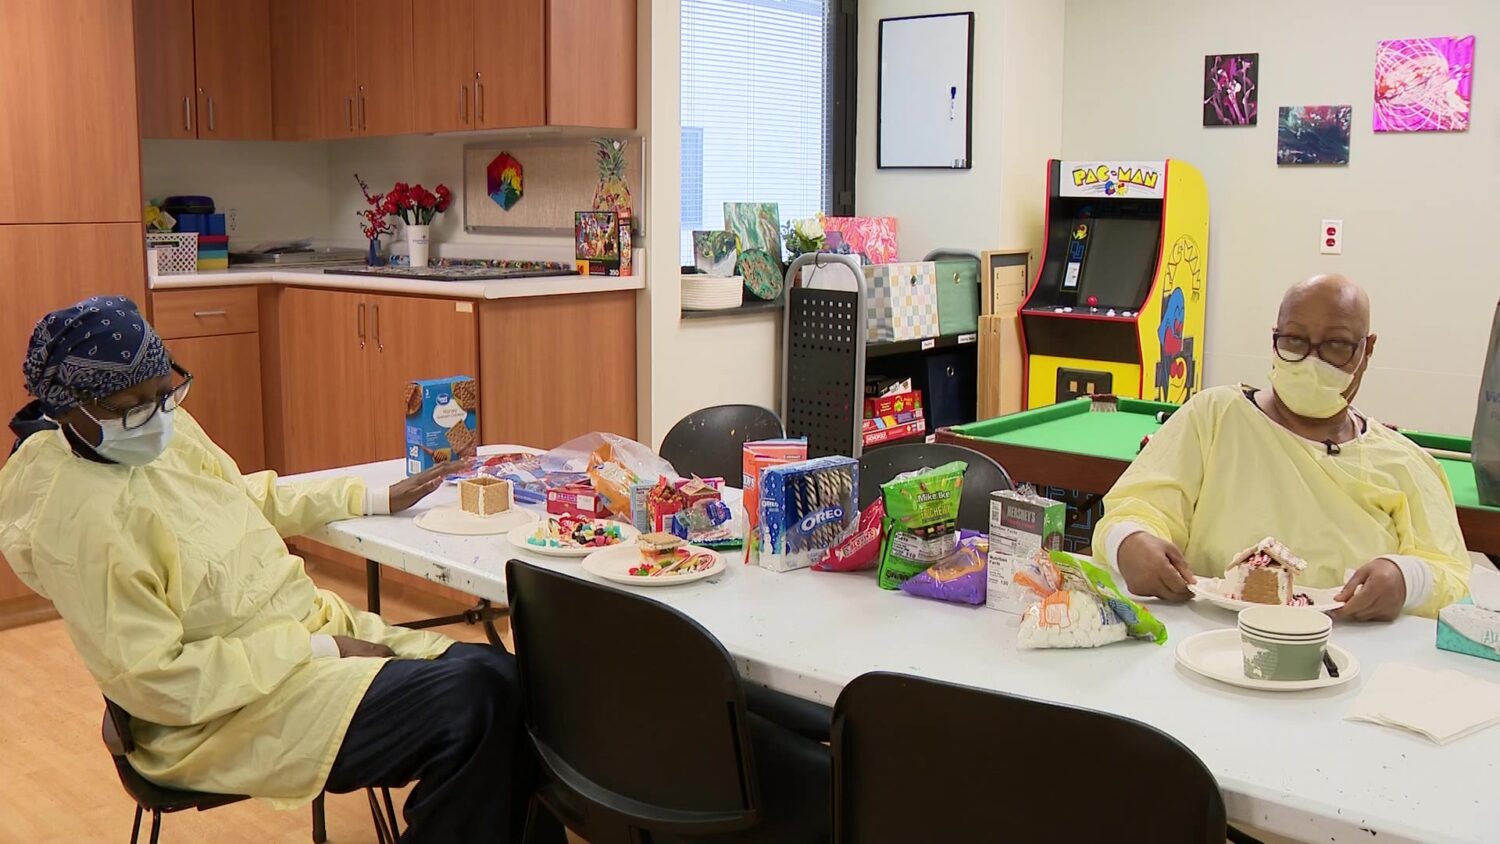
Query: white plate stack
x,y
712,293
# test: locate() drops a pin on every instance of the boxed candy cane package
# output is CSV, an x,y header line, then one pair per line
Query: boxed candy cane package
x,y
805,509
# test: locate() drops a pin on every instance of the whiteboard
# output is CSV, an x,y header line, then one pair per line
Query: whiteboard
x,y
926,99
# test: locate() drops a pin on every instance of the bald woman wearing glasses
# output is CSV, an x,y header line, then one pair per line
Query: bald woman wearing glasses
x,y
1366,507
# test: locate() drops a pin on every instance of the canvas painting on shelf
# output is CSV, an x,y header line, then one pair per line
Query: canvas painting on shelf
x,y
756,224
1423,84
1231,89
873,238
715,253
1313,134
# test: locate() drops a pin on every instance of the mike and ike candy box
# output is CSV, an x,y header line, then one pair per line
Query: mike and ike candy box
x,y
442,420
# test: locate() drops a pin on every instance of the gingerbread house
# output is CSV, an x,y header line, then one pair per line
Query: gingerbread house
x,y
1263,573
485,496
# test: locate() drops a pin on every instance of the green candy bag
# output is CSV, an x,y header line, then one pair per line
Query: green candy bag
x,y
1139,621
921,521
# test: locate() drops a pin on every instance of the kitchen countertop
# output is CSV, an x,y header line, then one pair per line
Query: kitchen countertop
x,y
315,277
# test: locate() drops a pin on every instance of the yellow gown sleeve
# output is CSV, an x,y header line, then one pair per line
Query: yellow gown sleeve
x,y
1159,490
117,614
1435,536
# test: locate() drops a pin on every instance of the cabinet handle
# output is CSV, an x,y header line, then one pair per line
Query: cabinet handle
x,y
478,97
211,114
363,124
349,112
375,321
463,104
217,312
361,325
187,114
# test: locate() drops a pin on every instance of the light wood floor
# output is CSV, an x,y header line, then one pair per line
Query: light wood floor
x,y
58,785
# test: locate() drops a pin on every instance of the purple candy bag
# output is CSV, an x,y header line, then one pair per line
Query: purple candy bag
x,y
961,578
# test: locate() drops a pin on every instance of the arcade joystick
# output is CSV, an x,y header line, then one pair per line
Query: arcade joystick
x,y
1093,301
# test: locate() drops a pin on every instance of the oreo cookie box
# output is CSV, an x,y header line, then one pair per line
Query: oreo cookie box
x,y
1022,526
805,509
442,420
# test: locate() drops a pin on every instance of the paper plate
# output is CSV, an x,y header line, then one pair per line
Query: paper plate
x,y
1216,654
518,538
452,520
1207,588
614,564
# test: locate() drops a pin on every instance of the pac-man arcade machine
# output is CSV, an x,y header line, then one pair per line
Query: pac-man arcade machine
x,y
1118,303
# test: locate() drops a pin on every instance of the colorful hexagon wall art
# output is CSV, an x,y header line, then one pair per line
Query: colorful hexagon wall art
x,y
503,180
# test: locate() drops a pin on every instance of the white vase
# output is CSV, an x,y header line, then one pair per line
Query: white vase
x,y
416,245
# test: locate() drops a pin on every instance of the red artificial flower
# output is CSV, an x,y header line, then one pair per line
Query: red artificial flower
x,y
444,197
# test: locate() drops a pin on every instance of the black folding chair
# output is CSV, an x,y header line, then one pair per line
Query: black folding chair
x,y
965,764
709,443
640,722
159,800
983,476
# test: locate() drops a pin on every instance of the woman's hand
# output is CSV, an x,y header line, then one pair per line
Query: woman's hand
x,y
350,646
1154,567
1376,592
405,493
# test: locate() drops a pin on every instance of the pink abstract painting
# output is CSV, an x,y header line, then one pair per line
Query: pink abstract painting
x,y
872,237
1423,84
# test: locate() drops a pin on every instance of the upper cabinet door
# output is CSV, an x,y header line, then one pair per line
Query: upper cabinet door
x,y
164,68
232,43
385,66
69,145
591,63
510,63
338,56
443,33
297,45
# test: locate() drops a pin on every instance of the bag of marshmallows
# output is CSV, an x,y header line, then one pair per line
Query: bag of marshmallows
x,y
1078,606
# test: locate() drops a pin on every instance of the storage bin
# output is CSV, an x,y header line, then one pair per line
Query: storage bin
x,y
958,296
901,302
177,252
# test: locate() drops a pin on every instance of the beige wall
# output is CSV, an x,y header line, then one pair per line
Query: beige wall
x,y
1418,209
280,190
1016,124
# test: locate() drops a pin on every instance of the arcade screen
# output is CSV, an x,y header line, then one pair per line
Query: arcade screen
x,y
1121,261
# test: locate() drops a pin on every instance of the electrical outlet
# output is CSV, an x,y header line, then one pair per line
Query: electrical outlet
x,y
1331,237
232,220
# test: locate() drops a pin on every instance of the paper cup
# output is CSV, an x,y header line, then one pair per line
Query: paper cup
x,y
1283,643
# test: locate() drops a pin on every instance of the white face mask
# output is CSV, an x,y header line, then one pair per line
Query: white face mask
x,y
137,446
1311,387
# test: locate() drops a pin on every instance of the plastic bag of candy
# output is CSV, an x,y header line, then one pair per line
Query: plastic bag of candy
x,y
612,463
1079,606
961,577
525,473
709,523
921,521
861,550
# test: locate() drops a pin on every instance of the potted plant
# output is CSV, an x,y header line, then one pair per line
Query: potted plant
x,y
374,221
417,206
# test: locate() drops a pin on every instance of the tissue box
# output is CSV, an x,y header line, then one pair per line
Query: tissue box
x,y
1021,527
805,509
442,420
1466,629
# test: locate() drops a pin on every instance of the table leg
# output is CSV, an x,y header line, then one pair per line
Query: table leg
x,y
372,586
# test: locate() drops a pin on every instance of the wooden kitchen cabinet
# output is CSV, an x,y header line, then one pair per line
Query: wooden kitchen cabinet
x,y
217,53
342,360
226,396
345,68
510,63
69,151
385,65
591,63
444,84
297,70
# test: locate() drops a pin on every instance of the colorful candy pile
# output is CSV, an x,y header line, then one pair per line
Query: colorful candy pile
x,y
573,532
687,562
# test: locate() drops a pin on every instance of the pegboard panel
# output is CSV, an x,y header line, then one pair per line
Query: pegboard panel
x,y
822,369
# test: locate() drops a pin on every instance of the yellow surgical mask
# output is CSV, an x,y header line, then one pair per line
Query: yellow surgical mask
x,y
1311,387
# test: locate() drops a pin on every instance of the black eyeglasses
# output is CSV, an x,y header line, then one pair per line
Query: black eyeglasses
x,y
1294,347
137,415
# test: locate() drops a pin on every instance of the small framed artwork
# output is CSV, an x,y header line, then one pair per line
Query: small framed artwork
x,y
1313,134
1231,89
925,98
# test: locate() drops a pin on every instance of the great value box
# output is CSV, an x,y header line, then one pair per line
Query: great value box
x,y
442,420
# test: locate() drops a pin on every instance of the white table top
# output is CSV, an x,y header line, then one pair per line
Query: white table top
x,y
493,289
1287,763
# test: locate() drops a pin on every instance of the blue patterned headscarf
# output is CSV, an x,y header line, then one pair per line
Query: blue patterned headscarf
x,y
97,347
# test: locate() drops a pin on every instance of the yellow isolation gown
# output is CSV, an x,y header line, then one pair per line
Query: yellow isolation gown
x,y
180,595
1221,475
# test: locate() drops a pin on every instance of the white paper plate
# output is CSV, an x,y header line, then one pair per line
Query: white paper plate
x,y
518,538
1208,588
452,520
614,564
1216,654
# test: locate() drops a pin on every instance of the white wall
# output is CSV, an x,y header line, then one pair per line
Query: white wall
x,y
280,190
1016,124
1419,209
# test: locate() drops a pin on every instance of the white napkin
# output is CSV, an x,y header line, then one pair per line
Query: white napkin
x,y
1441,705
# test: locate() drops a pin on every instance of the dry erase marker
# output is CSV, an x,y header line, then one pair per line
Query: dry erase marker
x,y
952,100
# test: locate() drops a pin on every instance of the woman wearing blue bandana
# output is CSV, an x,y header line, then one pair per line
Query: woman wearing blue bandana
x,y
169,569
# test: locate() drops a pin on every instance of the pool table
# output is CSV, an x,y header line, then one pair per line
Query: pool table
x,y
1067,445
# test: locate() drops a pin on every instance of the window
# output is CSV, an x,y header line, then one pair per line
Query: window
x,y
760,119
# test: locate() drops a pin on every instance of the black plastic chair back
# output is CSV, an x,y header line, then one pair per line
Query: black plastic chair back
x,y
964,764
635,710
710,442
983,476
